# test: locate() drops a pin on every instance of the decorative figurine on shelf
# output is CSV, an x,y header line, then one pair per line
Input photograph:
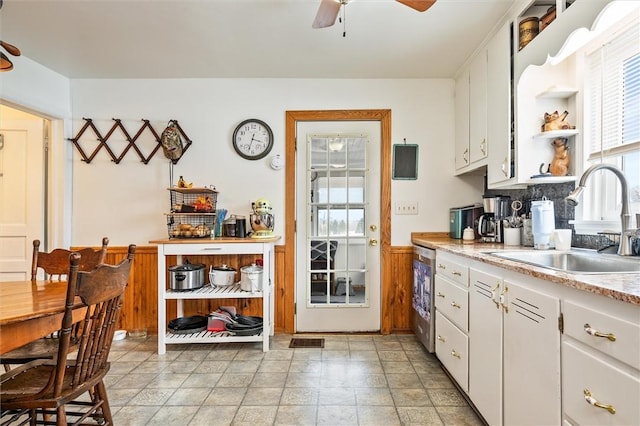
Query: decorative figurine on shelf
x,y
560,164
555,121
172,142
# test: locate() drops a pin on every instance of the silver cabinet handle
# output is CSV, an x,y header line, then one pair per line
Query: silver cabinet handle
x,y
455,354
455,305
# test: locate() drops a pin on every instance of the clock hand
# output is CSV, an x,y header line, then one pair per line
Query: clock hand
x,y
253,139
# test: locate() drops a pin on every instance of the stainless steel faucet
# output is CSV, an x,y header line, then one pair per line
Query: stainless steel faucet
x,y
624,249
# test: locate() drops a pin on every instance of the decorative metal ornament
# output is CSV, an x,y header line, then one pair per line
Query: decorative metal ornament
x,y
172,142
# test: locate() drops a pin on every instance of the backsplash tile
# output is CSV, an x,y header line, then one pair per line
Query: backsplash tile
x,y
562,210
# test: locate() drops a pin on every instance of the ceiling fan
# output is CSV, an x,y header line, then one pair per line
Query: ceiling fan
x,y
329,9
5,62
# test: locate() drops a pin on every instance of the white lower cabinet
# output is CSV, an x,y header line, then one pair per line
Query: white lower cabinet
x,y
531,356
596,392
514,351
452,349
600,361
531,352
452,321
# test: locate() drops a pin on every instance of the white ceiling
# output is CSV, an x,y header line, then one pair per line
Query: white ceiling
x,y
246,38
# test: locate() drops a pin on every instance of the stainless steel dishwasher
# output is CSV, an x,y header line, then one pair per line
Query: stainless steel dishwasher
x,y
423,293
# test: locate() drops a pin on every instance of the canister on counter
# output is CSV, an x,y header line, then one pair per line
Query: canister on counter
x,y
529,29
526,239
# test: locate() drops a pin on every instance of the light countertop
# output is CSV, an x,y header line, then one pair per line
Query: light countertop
x,y
624,287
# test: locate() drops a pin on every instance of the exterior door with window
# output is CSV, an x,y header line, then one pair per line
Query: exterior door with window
x,y
337,216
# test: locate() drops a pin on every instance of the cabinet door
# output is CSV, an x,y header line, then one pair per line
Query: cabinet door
x,y
499,106
485,345
531,357
478,108
452,348
462,120
587,374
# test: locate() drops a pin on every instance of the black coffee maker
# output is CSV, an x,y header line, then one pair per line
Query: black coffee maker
x,y
490,224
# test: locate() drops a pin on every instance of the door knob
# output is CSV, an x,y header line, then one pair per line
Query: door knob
x,y
373,242
373,227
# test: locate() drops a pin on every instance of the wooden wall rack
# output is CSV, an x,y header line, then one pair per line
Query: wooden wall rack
x,y
88,125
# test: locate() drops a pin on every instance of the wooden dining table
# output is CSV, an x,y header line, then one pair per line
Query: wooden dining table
x,y
30,310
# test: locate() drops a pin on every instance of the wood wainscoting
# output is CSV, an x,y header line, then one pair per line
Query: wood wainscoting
x,y
140,309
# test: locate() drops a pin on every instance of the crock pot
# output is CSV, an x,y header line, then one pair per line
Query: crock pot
x,y
189,276
222,276
251,278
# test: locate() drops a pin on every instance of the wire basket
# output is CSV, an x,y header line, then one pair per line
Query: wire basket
x,y
191,225
193,200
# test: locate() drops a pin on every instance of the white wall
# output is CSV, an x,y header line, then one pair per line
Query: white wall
x,y
36,88
126,202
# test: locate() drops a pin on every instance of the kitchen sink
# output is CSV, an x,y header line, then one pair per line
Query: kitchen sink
x,y
577,261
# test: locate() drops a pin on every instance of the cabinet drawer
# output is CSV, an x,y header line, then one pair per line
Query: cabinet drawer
x,y
452,348
455,271
453,302
583,370
206,249
625,347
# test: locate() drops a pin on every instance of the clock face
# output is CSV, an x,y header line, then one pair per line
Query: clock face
x,y
252,139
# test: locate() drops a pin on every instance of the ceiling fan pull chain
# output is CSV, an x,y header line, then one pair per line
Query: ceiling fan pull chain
x,y
344,20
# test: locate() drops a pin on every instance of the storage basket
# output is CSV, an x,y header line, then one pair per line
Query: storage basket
x,y
191,225
193,200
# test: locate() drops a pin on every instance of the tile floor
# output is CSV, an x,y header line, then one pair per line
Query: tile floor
x,y
353,380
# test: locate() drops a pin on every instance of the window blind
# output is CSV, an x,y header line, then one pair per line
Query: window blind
x,y
613,94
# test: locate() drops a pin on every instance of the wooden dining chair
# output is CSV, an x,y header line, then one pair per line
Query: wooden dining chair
x,y
54,263
72,389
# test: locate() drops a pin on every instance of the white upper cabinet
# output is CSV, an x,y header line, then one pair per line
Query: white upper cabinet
x,y
478,108
462,120
471,115
500,107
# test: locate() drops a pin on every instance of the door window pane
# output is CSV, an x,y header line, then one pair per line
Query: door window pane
x,y
336,205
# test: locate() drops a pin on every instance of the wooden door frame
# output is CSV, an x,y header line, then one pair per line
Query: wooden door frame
x,y
287,288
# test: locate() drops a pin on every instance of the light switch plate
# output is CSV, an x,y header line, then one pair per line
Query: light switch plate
x,y
406,207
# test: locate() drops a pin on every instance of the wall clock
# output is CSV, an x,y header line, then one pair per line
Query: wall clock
x,y
252,139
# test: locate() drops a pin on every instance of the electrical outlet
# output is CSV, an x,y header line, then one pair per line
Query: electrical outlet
x,y
406,207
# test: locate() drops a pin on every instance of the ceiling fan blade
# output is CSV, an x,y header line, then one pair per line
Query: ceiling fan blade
x,y
327,13
419,5
10,48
